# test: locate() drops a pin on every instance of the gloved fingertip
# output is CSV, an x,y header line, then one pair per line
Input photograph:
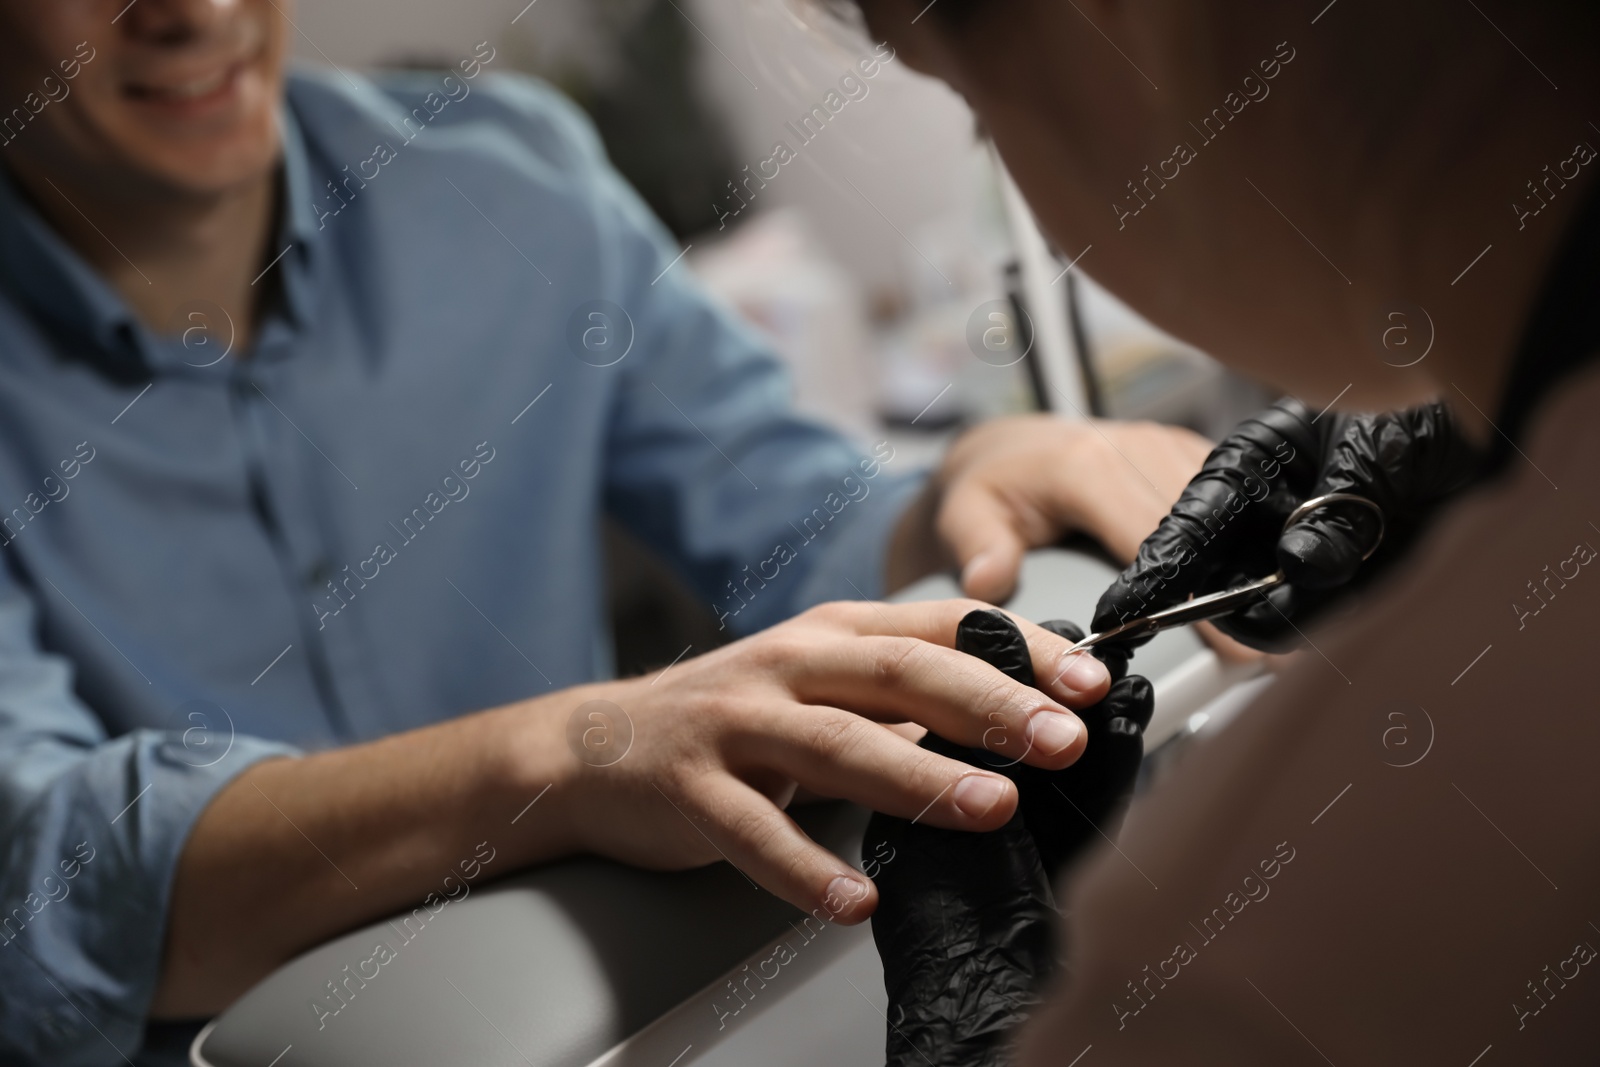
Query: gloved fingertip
x,y
1115,657
1260,628
972,632
1134,699
1131,698
993,637
1111,606
1071,631
1316,557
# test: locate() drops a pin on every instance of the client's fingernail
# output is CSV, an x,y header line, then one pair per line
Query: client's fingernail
x,y
843,893
974,565
1053,733
1082,673
977,794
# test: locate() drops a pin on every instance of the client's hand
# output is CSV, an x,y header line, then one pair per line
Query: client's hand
x,y
1228,525
1011,484
964,925
697,764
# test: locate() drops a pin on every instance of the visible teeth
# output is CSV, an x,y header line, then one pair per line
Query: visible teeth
x,y
190,90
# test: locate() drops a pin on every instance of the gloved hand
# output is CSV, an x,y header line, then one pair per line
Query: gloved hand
x,y
964,920
1227,527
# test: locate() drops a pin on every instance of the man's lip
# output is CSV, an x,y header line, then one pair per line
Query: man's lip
x,y
197,85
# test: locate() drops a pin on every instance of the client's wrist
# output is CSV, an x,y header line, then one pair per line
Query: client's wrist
x,y
915,550
533,767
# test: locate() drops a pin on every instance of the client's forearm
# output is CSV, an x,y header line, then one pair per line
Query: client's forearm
x,y
294,851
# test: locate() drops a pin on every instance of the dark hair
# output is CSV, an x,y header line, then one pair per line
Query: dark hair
x,y
951,12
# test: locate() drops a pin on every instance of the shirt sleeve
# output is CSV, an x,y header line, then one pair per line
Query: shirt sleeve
x,y
763,511
92,827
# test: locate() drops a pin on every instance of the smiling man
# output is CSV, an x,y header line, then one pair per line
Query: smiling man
x,y
316,389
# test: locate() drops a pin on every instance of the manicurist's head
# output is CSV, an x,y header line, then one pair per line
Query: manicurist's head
x,y
155,97
1269,180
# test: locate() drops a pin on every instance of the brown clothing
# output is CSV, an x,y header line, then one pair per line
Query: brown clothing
x,y
1394,856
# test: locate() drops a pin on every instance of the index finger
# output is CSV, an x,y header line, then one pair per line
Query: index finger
x,y
1077,680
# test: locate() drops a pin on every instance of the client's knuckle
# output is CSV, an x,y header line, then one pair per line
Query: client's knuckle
x,y
754,828
834,613
834,737
892,659
998,702
778,649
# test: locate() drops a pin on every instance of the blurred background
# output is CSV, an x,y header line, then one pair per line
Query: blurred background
x,y
888,260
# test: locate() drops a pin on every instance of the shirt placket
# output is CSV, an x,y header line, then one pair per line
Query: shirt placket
x,y
284,501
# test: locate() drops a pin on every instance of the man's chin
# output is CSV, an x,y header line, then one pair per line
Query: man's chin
x,y
210,168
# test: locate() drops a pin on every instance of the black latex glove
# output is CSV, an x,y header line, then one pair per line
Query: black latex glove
x,y
965,920
964,926
1227,527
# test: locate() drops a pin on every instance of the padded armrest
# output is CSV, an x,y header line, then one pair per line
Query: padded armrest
x,y
549,968
559,966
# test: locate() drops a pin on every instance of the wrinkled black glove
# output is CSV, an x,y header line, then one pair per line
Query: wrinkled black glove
x,y
965,920
1227,527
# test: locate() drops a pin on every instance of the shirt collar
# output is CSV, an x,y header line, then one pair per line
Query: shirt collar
x,y
53,280
299,234
49,276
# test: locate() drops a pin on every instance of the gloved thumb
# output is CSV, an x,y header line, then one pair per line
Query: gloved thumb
x,y
1324,550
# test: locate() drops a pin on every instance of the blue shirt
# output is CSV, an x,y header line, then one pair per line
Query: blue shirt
x,y
385,516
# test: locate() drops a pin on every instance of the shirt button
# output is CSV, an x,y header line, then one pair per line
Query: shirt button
x,y
320,574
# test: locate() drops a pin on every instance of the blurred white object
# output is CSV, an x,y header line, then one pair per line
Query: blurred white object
x,y
931,379
1054,351
888,164
1201,692
1146,373
778,279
